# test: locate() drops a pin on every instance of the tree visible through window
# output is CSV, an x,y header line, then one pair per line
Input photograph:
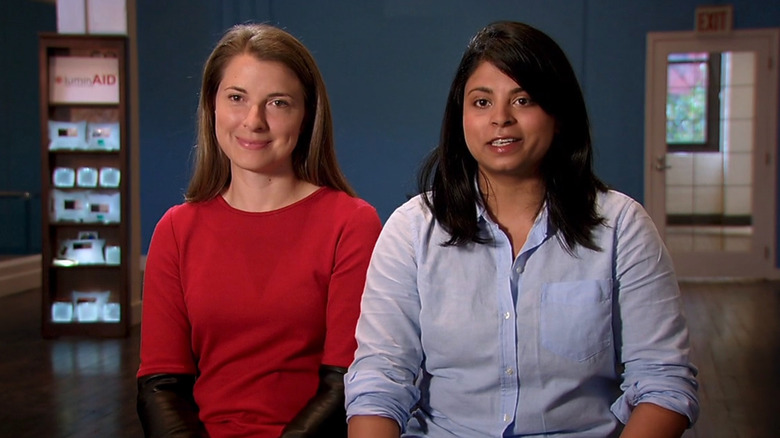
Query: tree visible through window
x,y
693,102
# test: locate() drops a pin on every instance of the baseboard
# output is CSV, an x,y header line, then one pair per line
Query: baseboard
x,y
20,274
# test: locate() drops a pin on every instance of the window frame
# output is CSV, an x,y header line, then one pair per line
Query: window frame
x,y
712,143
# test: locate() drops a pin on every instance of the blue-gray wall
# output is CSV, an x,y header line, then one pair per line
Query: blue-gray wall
x,y
387,65
20,138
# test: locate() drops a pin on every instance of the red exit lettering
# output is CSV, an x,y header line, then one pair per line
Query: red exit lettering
x,y
714,19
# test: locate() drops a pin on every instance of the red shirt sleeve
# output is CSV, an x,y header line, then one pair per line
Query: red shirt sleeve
x,y
165,327
353,253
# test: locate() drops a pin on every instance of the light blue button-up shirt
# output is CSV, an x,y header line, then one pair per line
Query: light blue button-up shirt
x,y
468,342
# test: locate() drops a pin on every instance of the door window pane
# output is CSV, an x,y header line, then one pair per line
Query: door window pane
x,y
693,102
686,98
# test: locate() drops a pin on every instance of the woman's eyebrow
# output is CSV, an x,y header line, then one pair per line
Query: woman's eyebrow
x,y
236,88
490,91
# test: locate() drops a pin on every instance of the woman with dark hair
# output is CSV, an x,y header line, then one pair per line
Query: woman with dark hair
x,y
252,286
517,295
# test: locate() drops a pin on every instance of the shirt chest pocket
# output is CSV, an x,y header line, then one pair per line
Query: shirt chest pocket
x,y
576,318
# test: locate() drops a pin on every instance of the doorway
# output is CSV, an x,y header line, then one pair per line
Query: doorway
x,y
710,149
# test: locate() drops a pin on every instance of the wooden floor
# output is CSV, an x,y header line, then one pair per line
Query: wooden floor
x,y
67,387
73,387
735,335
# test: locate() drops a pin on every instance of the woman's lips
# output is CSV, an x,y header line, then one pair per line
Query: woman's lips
x,y
253,144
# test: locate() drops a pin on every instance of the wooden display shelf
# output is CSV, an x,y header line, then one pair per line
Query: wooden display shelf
x,y
98,61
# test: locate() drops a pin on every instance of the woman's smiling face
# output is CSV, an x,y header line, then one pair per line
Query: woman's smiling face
x,y
259,113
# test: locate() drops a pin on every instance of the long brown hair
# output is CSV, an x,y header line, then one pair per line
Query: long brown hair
x,y
314,157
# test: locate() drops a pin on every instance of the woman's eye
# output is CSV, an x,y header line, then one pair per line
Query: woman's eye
x,y
234,97
281,103
523,101
481,103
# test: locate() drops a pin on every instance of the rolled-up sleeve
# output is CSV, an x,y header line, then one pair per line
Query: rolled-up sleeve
x,y
380,381
651,326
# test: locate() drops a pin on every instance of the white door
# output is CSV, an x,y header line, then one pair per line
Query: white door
x,y
710,148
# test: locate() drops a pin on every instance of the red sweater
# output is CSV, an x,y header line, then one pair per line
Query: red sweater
x,y
254,303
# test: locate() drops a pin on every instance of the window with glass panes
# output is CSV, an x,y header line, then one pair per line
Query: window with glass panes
x,y
693,102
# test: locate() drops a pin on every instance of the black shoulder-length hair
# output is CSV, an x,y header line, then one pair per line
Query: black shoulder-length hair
x,y
532,59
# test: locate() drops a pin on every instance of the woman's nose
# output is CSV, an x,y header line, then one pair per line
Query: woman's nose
x,y
502,116
255,118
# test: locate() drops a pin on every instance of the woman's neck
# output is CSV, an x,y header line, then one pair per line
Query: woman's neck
x,y
514,205
261,193
512,197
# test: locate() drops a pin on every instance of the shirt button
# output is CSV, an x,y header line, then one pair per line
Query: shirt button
x,y
519,269
506,418
510,371
507,315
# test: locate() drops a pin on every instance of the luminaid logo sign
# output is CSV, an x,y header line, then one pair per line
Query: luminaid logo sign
x,y
75,79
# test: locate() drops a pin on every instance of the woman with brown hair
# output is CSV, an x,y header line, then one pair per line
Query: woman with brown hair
x,y
252,286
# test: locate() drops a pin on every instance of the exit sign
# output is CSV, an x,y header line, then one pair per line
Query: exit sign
x,y
714,19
